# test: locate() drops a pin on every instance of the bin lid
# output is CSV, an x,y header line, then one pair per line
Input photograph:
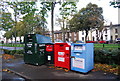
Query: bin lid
x,y
62,44
43,39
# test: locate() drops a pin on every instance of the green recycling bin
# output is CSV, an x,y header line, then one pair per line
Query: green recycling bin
x,y
35,48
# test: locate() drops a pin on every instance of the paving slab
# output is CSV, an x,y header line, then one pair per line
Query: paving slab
x,y
44,72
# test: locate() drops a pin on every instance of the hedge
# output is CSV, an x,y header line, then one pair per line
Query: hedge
x,y
101,55
12,52
108,56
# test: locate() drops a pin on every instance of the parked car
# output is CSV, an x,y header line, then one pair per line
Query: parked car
x,y
117,40
102,41
90,41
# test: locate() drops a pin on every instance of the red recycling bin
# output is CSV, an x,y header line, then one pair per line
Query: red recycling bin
x,y
62,55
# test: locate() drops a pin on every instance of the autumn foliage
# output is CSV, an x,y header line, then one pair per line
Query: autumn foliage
x,y
7,56
106,68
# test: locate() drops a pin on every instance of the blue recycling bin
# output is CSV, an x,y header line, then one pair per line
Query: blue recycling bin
x,y
82,57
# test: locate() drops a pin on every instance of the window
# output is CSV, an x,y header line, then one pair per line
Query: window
x,y
116,31
82,38
75,38
106,31
93,38
116,36
75,34
82,33
105,37
70,34
111,37
88,38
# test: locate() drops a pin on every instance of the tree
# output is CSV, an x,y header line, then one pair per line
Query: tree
x,y
21,8
6,21
87,18
20,29
46,6
115,4
34,23
8,35
49,6
67,9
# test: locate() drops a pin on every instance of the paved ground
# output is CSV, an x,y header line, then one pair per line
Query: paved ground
x,y
44,72
11,77
11,48
1,51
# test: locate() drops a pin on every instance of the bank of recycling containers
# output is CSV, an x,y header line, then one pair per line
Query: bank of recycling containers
x,y
82,59
35,48
62,55
49,53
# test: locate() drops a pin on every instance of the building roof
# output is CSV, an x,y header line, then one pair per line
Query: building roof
x,y
115,25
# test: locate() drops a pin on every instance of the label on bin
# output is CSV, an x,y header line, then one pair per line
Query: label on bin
x,y
78,47
29,52
60,53
79,63
61,59
67,48
29,45
49,57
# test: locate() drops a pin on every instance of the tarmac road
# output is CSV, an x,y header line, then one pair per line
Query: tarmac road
x,y
43,72
5,76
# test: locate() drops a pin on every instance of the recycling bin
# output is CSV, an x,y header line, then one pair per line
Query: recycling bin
x,y
50,53
35,48
40,56
62,55
82,57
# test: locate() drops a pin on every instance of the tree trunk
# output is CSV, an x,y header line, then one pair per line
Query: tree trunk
x,y
15,29
101,37
97,35
15,32
52,21
86,35
11,40
20,40
63,31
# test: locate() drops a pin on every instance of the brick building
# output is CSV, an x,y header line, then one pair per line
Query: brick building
x,y
71,36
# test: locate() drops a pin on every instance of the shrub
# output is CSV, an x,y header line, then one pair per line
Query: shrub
x,y
6,51
108,56
12,52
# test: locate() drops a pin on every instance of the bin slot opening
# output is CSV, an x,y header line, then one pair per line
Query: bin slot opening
x,y
29,40
61,47
29,48
29,37
78,54
76,47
